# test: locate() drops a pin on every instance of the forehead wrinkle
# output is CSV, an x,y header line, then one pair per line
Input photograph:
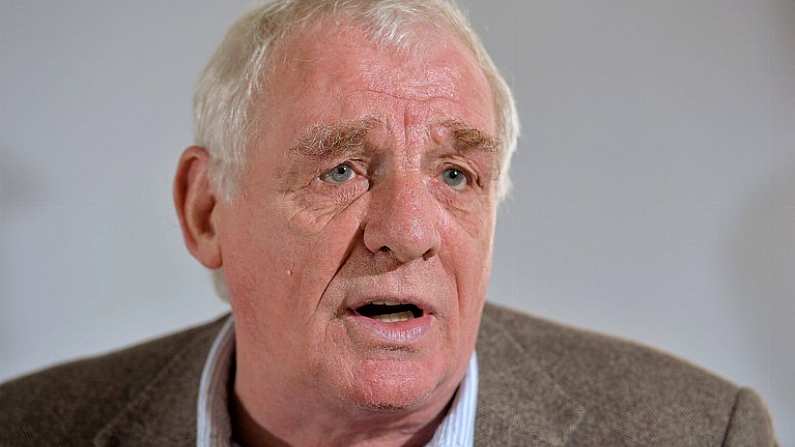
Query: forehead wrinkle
x,y
334,139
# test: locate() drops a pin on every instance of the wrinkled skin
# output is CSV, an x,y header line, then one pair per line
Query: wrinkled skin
x,y
295,247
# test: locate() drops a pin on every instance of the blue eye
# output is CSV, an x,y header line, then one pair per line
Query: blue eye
x,y
339,174
455,178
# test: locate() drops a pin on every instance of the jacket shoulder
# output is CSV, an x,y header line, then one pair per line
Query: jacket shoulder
x,y
69,403
632,394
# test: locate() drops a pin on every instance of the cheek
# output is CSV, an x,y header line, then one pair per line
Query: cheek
x,y
471,213
472,271
472,296
258,266
278,262
469,242
310,215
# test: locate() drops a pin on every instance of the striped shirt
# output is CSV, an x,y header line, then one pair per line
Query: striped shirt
x,y
214,428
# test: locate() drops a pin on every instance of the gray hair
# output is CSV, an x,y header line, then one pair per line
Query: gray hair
x,y
223,98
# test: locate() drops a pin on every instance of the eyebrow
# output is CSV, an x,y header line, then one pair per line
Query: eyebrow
x,y
333,140
323,141
467,138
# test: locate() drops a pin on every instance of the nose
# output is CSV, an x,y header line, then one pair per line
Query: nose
x,y
403,220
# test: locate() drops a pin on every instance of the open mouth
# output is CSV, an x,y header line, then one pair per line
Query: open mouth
x,y
389,312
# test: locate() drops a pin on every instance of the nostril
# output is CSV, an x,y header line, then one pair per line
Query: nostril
x,y
428,254
384,249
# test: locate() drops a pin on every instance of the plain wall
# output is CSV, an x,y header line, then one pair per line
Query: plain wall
x,y
654,183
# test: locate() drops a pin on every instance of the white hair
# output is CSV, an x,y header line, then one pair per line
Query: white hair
x,y
222,104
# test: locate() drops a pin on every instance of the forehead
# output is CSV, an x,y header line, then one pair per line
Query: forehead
x,y
330,73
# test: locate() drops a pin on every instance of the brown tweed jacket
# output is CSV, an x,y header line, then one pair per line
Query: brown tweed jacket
x,y
541,384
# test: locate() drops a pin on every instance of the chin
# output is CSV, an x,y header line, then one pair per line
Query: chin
x,y
395,385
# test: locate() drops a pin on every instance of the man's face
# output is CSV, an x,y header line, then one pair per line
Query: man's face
x,y
371,178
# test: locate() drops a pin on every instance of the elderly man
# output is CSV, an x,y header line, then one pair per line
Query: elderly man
x,y
349,160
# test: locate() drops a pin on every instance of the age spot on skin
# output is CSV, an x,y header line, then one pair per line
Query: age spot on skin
x,y
439,134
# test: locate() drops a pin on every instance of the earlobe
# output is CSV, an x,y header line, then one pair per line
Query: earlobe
x,y
196,202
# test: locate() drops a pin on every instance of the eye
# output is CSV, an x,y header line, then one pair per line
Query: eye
x,y
340,174
455,178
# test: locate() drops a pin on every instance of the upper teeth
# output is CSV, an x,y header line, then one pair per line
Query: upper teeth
x,y
384,303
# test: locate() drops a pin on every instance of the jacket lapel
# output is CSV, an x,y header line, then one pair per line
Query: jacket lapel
x,y
165,412
518,403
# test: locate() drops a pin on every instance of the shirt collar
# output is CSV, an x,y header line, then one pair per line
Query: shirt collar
x,y
214,428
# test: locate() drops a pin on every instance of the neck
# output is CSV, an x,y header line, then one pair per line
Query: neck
x,y
275,422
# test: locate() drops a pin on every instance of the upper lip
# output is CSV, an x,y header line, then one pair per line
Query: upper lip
x,y
359,301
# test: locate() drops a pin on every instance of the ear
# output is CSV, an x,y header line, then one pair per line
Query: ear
x,y
196,207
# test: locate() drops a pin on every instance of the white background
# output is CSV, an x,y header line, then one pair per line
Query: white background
x,y
655,180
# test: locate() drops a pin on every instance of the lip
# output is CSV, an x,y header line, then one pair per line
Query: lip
x,y
399,333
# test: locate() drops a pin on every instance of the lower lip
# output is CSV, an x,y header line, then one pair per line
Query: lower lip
x,y
396,333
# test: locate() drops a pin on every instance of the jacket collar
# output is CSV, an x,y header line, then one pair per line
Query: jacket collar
x,y
164,413
517,401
